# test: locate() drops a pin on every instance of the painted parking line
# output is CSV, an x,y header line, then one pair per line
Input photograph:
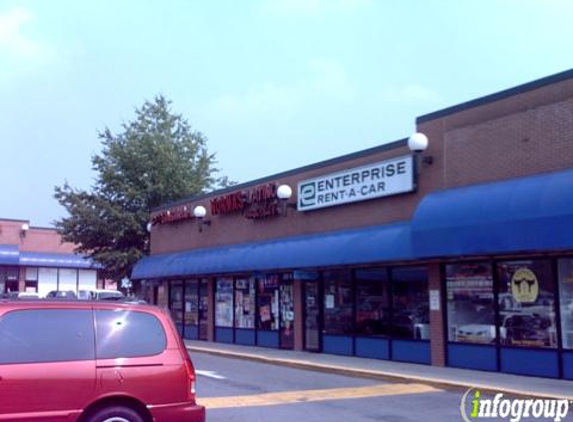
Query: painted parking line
x,y
210,374
305,396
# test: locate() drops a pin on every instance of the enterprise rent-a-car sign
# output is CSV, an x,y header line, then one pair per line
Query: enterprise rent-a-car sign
x,y
376,180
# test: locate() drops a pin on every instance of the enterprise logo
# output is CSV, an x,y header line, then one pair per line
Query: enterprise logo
x,y
307,194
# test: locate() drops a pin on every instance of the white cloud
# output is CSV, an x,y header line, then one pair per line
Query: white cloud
x,y
311,7
267,98
325,81
330,78
410,93
15,42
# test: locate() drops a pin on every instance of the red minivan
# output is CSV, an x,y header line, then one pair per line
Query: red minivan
x,y
93,362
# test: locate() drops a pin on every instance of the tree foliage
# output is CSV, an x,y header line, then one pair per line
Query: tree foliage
x,y
157,158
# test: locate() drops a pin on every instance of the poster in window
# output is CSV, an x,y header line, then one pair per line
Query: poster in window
x,y
329,301
265,313
527,303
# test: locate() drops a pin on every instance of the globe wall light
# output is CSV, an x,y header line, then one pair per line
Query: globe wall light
x,y
199,212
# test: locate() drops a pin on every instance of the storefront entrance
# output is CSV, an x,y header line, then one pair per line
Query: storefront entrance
x,y
312,316
287,315
188,302
203,309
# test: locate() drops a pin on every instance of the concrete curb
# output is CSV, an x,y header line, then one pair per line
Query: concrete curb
x,y
379,375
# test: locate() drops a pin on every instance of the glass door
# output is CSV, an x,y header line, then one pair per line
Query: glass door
x,y
312,316
191,316
287,315
203,308
176,304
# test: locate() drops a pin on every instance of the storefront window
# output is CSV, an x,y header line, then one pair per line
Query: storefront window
x,y
31,279
410,318
470,301
191,302
268,312
338,303
245,303
176,301
2,279
527,304
566,299
372,302
47,280
68,279
224,302
12,279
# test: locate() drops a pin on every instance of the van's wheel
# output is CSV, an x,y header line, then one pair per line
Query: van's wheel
x,y
115,414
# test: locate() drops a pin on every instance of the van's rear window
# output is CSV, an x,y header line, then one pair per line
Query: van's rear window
x,y
124,334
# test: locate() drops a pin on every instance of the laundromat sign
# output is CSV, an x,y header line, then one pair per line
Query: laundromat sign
x,y
385,178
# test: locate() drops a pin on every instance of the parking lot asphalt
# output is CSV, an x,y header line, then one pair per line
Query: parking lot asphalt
x,y
440,377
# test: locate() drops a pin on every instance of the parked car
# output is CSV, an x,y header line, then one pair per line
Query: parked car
x,y
61,294
79,361
100,294
28,295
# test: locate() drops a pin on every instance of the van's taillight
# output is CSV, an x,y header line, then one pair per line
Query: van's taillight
x,y
190,377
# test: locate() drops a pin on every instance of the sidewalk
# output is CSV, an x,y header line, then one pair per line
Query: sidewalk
x,y
462,379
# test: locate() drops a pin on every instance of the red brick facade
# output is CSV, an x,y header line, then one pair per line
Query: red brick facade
x,y
35,239
524,134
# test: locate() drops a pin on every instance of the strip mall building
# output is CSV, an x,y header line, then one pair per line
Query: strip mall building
x,y
461,255
36,260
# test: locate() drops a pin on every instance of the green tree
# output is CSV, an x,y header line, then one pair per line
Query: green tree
x,y
157,158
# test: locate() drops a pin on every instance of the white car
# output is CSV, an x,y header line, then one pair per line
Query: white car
x,y
476,333
100,294
28,295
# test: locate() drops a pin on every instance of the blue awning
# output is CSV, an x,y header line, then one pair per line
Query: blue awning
x,y
9,254
359,246
527,214
40,259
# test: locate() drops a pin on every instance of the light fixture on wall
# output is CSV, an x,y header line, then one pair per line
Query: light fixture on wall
x,y
199,212
284,193
418,143
149,227
24,229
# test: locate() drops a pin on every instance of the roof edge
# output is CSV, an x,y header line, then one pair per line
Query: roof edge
x,y
354,155
519,89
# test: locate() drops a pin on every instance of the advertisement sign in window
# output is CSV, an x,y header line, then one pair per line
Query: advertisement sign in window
x,y
527,304
470,302
224,302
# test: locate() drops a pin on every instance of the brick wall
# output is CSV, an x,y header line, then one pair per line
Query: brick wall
x,y
495,138
437,334
522,135
36,239
235,228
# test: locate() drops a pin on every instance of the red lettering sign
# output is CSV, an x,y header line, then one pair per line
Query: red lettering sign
x,y
179,213
259,202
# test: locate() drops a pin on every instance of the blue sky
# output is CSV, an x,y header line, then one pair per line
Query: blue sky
x,y
273,84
